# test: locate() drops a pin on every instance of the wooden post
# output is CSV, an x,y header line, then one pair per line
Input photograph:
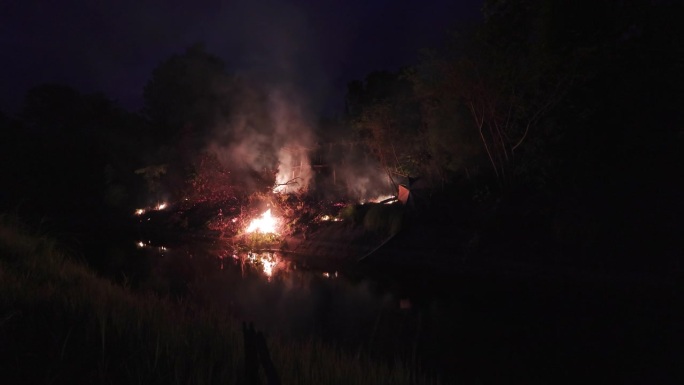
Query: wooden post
x,y
257,355
251,354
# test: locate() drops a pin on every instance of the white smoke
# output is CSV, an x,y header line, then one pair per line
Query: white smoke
x,y
268,135
294,137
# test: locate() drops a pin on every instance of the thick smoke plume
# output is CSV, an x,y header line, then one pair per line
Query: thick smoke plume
x,y
294,137
270,141
267,138
271,137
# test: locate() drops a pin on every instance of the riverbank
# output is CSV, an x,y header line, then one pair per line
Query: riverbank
x,y
61,323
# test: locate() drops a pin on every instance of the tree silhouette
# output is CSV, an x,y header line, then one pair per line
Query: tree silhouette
x,y
187,93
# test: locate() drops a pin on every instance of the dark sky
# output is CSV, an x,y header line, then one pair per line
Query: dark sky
x,y
113,46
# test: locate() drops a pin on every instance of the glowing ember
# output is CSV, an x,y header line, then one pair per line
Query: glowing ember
x,y
139,211
160,206
264,224
327,218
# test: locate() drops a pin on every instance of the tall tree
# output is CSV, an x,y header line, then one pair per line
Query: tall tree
x,y
187,93
386,117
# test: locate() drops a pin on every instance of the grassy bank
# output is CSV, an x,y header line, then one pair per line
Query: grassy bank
x,y
61,323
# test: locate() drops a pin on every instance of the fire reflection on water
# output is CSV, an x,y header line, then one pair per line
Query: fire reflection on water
x,y
267,262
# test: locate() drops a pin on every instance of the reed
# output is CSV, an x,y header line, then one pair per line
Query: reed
x,y
61,323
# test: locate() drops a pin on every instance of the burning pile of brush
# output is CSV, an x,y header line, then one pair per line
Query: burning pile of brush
x,y
267,218
262,218
248,217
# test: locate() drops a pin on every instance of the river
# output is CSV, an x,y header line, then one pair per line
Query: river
x,y
482,326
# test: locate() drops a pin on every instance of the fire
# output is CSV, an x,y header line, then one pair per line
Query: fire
x,y
158,207
266,223
327,218
268,266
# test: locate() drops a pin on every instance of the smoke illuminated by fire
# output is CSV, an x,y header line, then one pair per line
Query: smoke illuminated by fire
x,y
266,223
294,170
387,199
269,131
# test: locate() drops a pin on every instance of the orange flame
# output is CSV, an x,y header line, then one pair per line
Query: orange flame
x,y
266,223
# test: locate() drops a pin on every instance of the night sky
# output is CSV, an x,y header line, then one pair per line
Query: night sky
x,y
113,46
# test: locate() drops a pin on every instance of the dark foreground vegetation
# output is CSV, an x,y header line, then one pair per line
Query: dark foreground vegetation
x,y
62,324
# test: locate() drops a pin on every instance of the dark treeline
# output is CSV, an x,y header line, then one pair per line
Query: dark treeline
x,y
68,161
557,125
560,120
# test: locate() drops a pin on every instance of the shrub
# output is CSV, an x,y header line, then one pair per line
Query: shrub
x,y
385,219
